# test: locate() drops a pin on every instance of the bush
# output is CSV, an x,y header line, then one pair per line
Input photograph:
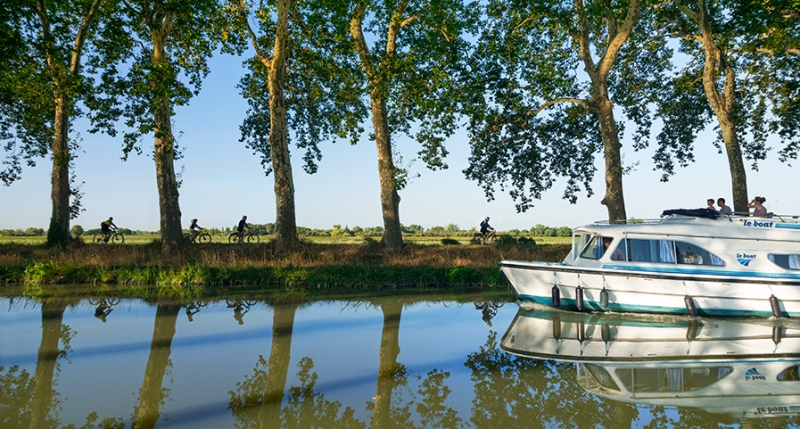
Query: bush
x,y
450,242
76,231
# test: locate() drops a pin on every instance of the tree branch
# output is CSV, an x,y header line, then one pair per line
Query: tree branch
x,y
583,39
361,45
610,55
265,59
80,38
549,103
395,23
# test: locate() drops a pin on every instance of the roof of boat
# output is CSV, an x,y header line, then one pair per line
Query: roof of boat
x,y
689,222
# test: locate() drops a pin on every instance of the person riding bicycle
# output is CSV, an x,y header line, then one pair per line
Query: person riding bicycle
x,y
242,226
194,229
106,227
485,228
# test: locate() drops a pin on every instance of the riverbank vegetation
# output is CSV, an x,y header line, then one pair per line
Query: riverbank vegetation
x,y
308,268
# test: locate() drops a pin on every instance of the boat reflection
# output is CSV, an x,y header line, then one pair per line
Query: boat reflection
x,y
742,368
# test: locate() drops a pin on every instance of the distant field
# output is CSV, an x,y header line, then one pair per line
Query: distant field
x,y
422,240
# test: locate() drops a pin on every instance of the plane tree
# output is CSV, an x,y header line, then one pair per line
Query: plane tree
x,y
43,81
549,81
741,75
300,77
410,53
154,61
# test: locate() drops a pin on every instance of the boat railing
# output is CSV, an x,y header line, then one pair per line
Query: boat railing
x,y
783,218
628,222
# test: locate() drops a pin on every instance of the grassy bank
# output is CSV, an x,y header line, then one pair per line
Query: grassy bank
x,y
312,267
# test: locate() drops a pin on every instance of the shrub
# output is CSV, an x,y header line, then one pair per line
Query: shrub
x,y
450,242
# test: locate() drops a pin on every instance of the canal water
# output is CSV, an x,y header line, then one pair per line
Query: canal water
x,y
385,362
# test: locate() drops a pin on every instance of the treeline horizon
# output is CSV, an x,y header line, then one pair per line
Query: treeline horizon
x,y
451,230
542,89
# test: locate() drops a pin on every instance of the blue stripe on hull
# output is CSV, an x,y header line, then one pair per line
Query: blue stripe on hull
x,y
570,304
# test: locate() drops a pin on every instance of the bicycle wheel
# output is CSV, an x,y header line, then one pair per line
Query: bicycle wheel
x,y
234,238
187,238
204,238
117,239
253,238
98,239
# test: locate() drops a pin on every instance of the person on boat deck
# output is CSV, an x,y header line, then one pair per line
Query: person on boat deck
x,y
710,203
617,255
724,209
758,207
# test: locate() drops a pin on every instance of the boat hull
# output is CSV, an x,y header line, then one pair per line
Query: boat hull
x,y
704,293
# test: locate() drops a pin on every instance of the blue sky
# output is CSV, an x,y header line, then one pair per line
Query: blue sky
x,y
223,180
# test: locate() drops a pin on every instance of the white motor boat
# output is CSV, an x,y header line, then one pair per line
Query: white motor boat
x,y
694,262
741,368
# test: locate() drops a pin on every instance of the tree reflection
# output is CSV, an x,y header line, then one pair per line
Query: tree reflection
x,y
432,409
307,409
54,332
16,389
152,395
390,372
257,401
512,392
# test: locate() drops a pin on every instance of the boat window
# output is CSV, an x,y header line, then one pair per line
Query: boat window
x,y
596,248
790,262
597,376
691,254
651,251
578,243
790,374
643,380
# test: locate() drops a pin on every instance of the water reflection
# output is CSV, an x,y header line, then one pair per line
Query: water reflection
x,y
383,362
104,307
734,369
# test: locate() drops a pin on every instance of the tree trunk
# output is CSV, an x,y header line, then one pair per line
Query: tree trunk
x,y
58,232
387,365
285,217
170,220
279,357
735,163
151,395
614,199
390,200
722,104
52,326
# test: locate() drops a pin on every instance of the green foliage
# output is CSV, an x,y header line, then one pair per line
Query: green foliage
x,y
321,82
450,242
755,75
533,114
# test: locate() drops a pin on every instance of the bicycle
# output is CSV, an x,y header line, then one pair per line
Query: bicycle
x,y
113,237
201,237
249,237
489,238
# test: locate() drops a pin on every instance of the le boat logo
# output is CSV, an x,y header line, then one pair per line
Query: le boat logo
x,y
752,374
758,224
744,258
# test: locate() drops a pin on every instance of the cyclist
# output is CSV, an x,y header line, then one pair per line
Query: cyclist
x,y
106,227
242,225
485,228
194,229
